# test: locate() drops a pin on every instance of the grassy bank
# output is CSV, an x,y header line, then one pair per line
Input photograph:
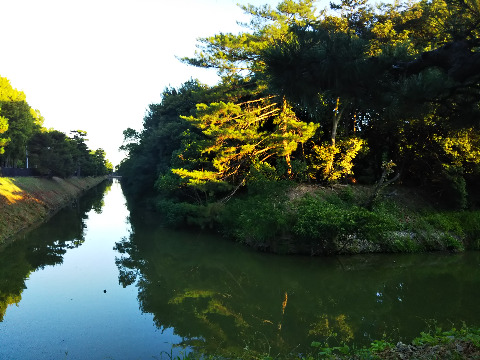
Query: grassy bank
x,y
317,220
454,344
25,201
310,219
463,343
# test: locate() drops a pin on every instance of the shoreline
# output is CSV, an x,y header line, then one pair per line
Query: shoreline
x,y
28,201
314,220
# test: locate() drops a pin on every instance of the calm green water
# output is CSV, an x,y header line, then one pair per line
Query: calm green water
x,y
169,292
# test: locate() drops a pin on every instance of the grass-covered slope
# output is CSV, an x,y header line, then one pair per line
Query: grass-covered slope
x,y
311,219
25,201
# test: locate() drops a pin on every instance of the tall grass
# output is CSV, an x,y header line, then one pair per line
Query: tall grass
x,y
335,221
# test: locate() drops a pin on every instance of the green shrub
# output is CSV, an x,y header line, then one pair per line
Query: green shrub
x,y
332,225
445,221
256,220
403,243
437,336
347,195
437,231
330,222
176,214
380,345
469,222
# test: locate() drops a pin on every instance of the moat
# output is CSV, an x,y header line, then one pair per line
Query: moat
x,y
99,282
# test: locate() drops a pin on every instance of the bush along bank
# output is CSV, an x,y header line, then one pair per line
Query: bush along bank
x,y
25,201
463,343
314,220
433,344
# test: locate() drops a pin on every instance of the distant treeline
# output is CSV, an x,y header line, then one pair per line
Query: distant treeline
x,y
24,142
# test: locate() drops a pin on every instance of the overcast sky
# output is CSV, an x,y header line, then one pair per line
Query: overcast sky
x,y
96,65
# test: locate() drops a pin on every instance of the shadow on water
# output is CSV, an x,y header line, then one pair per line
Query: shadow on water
x,y
225,299
46,245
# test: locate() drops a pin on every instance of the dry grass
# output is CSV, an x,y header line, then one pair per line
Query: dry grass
x,y
25,201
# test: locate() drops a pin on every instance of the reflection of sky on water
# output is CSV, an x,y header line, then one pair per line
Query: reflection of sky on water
x,y
65,313
217,295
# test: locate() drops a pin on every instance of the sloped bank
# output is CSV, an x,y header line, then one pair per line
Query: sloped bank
x,y
315,220
25,201
289,218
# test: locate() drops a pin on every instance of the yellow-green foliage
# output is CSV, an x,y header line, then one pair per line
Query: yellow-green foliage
x,y
392,28
18,121
6,300
463,146
197,178
25,201
191,294
3,128
237,139
8,93
335,161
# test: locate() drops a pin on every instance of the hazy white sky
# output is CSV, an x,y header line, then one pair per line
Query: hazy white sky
x,y
96,65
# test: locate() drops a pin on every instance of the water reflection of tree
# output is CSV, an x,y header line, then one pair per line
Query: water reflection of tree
x,y
45,246
221,308
98,195
224,299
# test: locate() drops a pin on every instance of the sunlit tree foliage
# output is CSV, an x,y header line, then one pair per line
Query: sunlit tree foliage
x,y
49,152
18,122
324,96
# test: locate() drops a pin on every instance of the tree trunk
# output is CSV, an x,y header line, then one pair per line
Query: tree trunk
x,y
285,144
336,119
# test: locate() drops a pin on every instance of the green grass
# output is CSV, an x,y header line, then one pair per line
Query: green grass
x,y
321,220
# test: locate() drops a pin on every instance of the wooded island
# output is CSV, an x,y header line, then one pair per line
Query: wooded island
x,y
384,99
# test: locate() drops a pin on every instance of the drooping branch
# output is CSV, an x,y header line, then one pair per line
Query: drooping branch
x,y
382,183
455,58
257,100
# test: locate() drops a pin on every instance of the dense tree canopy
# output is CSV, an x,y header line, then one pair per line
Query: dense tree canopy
x,y
3,128
19,121
324,96
53,153
50,152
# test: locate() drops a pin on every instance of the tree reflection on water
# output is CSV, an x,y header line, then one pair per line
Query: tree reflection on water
x,y
45,246
224,299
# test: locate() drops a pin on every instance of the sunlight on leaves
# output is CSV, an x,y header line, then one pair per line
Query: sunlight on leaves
x,y
10,191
